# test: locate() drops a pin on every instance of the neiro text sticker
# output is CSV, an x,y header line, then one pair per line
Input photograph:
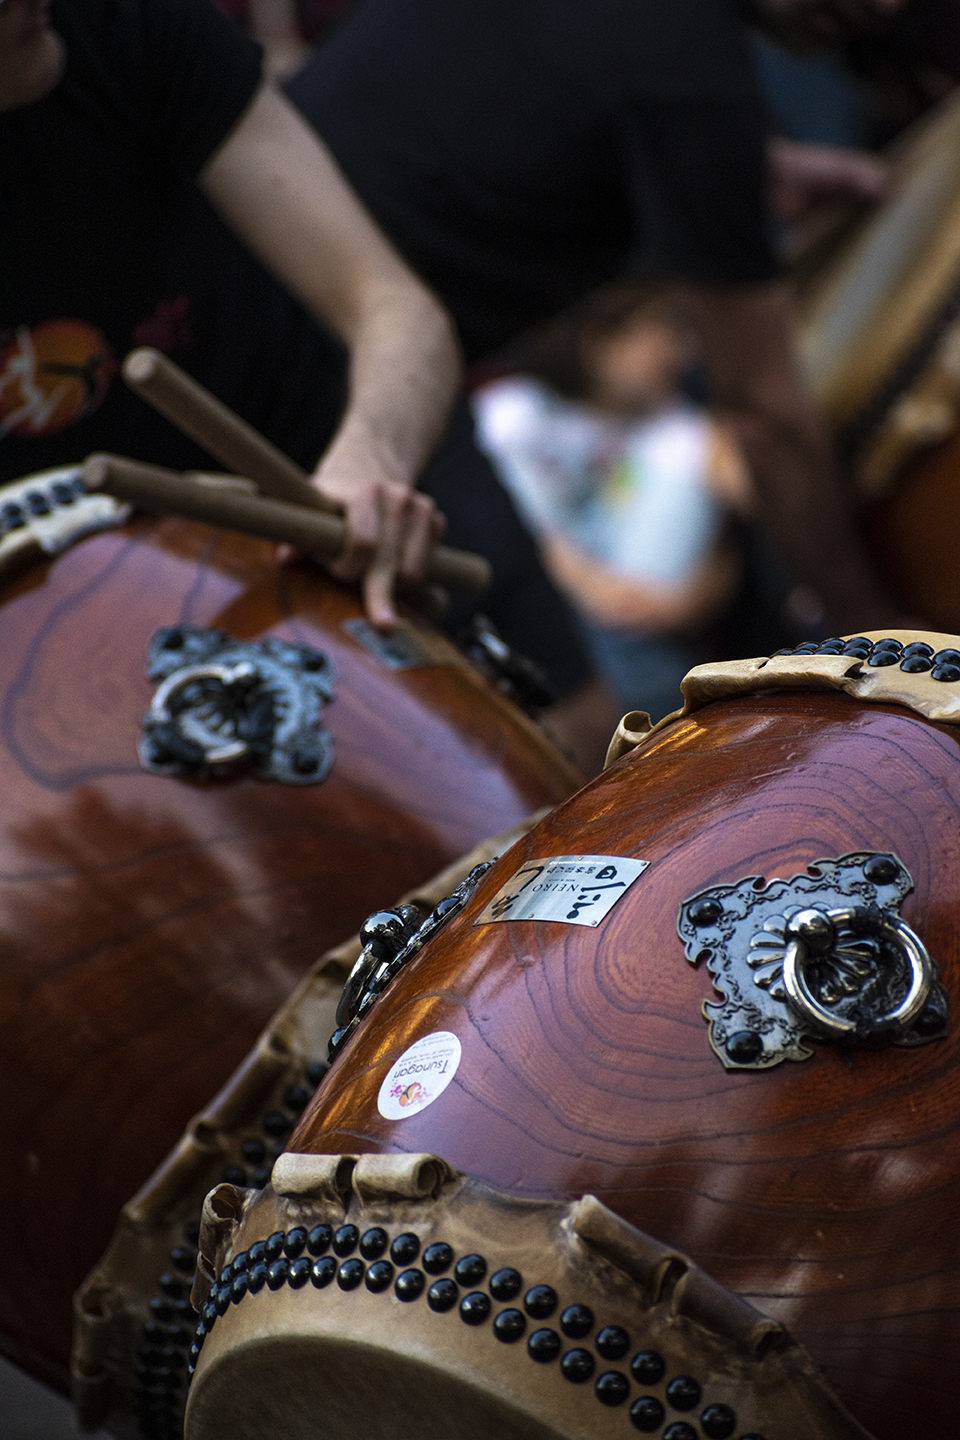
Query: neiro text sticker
x,y
575,889
423,1072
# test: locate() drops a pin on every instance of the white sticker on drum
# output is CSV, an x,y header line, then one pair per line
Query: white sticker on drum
x,y
423,1072
574,889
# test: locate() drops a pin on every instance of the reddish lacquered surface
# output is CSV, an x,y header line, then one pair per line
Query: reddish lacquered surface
x,y
148,927
825,1192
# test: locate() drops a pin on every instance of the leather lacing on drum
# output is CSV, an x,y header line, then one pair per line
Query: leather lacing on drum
x,y
302,1259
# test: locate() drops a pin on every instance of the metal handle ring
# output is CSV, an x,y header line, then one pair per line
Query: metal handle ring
x,y
835,1027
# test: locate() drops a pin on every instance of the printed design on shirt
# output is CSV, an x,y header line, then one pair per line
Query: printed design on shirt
x,y
51,376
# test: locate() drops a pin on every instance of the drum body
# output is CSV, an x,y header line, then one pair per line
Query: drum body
x,y
151,925
822,1188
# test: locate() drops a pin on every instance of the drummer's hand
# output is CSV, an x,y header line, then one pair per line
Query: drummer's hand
x,y
802,175
392,529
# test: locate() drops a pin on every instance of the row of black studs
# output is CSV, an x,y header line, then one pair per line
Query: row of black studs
x,y
171,1324
299,1257
16,514
914,659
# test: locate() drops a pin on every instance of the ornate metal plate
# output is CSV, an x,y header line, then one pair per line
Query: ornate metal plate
x,y
822,955
226,705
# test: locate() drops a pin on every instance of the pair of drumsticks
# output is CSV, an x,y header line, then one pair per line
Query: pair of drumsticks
x,y
296,513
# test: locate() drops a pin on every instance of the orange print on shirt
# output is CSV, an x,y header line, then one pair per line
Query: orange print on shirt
x,y
51,376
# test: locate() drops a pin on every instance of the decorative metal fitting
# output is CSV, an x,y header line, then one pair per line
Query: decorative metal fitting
x,y
845,968
512,673
391,938
227,704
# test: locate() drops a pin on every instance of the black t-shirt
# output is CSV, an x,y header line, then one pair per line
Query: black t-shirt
x,y
521,152
103,239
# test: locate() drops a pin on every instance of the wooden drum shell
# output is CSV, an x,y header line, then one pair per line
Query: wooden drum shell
x,y
151,926
823,1192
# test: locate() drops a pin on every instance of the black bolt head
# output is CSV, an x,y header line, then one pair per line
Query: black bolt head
x,y
577,1366
509,1325
648,1367
881,869
704,912
474,1308
683,1392
718,1422
646,1414
612,1342
543,1346
576,1321
612,1388
744,1046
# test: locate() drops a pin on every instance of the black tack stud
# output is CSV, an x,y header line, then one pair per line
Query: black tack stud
x,y
373,1243
474,1308
930,1021
316,1071
918,647
544,1346
183,1260
576,1321
227,1273
299,1272
185,1310
443,1295
275,1124
704,912
234,1175
878,658
322,1271
470,1270
683,1392
319,1238
540,1301
612,1342
277,1273
157,1333
345,1240
256,1278
295,1243
257,1252
437,1258
380,1276
273,1245
161,1310
239,1287
509,1325
947,657
172,1285
947,673
612,1388
577,1366
915,664
807,648
261,1176
830,647
240,1262
718,1422
350,1274
648,1367
410,1284
296,1099
680,1430
505,1283
881,869
858,649
208,1315
744,1046
405,1248
254,1151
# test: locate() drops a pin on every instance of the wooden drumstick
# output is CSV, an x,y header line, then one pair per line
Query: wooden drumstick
x,y
214,426
165,491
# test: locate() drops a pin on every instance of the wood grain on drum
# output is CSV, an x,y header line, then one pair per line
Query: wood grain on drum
x,y
149,927
823,1192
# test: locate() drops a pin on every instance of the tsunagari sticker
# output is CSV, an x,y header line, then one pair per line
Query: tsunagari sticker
x,y
423,1072
574,889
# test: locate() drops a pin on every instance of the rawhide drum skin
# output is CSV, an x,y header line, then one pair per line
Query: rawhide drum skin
x,y
152,919
718,991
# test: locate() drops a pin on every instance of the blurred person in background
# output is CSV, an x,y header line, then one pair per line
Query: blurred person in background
x,y
628,486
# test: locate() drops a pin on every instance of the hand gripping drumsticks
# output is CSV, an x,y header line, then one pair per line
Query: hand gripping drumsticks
x,y
245,452
153,488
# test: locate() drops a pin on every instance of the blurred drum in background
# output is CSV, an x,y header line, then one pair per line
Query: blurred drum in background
x,y
712,999
880,339
175,851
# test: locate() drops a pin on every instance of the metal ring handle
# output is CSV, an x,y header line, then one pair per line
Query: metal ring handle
x,y
835,1027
